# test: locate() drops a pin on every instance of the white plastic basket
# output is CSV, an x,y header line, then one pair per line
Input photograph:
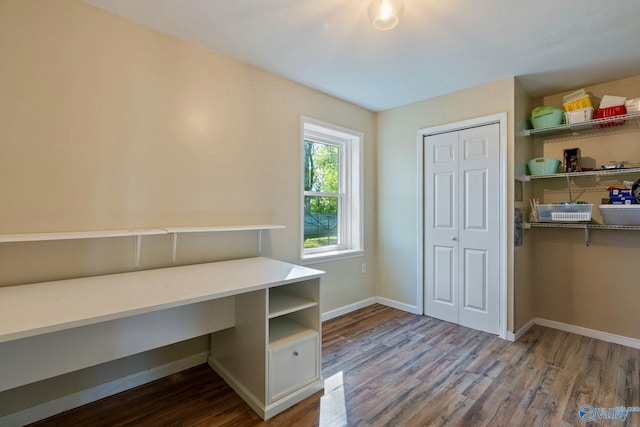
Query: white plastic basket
x,y
574,96
579,116
564,212
621,214
632,105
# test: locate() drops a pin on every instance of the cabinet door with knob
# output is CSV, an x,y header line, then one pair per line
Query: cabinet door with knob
x,y
292,364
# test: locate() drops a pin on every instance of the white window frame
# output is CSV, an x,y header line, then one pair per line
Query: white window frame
x,y
350,212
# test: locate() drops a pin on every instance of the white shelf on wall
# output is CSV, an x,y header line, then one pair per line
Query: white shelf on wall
x,y
223,228
137,233
605,126
174,231
580,226
595,172
73,235
91,234
598,127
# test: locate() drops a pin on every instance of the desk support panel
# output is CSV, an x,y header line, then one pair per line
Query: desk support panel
x,y
36,358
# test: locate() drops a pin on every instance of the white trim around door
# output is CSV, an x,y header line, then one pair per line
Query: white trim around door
x,y
501,119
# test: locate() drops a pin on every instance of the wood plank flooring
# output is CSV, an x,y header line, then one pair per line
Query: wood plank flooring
x,y
385,367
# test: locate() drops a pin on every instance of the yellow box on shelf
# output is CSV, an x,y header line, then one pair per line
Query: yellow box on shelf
x,y
576,100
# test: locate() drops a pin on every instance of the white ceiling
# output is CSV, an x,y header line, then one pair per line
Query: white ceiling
x,y
439,47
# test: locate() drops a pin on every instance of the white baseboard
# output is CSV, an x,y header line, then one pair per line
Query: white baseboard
x,y
520,332
591,333
53,407
579,330
347,309
398,305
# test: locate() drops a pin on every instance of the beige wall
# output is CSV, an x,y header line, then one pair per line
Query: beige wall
x,y
398,178
523,302
107,124
593,287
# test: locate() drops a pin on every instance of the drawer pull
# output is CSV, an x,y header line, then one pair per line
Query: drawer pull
x,y
295,353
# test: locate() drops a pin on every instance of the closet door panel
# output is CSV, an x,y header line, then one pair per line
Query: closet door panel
x,y
441,226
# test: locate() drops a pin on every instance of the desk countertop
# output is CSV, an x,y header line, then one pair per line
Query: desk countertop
x,y
39,308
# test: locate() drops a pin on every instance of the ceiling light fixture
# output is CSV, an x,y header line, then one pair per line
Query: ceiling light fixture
x,y
385,14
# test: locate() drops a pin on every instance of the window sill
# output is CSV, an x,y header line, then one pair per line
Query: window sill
x,y
331,256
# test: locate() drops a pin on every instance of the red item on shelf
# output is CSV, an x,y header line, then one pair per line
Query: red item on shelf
x,y
618,110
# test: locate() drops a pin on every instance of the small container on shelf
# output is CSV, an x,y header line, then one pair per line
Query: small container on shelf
x,y
615,191
576,100
632,105
618,110
620,214
546,117
572,160
621,196
578,116
564,212
543,166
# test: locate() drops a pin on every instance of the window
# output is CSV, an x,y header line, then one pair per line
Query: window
x,y
331,185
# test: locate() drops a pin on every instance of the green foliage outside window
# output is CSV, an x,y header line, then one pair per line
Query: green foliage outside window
x,y
321,175
321,171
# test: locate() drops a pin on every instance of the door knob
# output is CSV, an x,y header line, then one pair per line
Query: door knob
x,y
454,238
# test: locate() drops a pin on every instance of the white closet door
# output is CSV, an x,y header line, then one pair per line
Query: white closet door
x,y
479,225
462,238
441,226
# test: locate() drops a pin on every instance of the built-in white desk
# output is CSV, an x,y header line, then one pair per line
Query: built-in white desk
x,y
262,314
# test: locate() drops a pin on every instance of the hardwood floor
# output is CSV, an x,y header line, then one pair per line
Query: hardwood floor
x,y
385,367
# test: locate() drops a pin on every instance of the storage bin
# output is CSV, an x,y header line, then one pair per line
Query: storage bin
x,y
545,117
543,166
619,192
578,116
612,101
632,105
618,110
576,100
569,212
573,96
620,214
621,196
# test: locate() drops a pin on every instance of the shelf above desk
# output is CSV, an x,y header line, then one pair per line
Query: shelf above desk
x,y
74,235
174,231
223,228
137,233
